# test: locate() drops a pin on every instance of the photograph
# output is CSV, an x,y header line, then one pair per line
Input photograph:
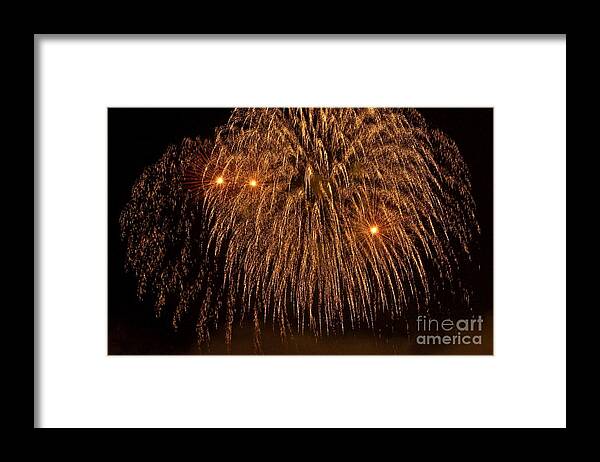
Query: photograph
x,y
300,231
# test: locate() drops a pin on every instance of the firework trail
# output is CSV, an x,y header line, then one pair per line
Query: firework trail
x,y
305,219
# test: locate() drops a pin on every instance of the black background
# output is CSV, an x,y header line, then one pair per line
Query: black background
x,y
137,137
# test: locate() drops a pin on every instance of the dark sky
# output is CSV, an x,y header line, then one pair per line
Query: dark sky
x,y
139,137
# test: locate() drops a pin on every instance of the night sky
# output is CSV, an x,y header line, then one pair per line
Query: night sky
x,y
139,137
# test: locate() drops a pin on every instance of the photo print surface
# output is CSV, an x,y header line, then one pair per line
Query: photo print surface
x,y
300,231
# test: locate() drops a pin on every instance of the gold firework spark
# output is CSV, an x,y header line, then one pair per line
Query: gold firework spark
x,y
319,219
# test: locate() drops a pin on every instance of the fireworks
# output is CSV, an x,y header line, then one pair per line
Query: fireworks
x,y
304,219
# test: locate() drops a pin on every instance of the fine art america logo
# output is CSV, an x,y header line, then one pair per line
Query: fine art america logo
x,y
448,331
